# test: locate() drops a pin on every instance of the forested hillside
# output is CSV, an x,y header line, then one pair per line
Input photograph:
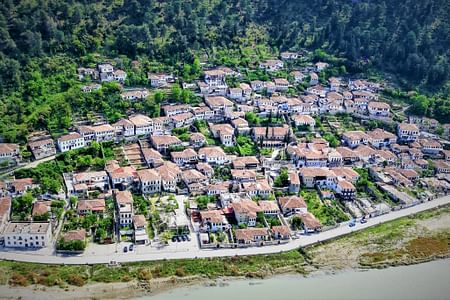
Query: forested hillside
x,y
43,41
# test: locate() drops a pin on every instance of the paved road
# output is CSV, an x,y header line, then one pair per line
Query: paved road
x,y
178,252
30,165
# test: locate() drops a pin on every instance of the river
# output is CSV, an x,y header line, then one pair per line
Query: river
x,y
424,281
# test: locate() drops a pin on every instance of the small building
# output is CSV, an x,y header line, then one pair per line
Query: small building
x,y
271,65
252,235
42,148
281,232
310,223
292,205
213,221
9,151
140,230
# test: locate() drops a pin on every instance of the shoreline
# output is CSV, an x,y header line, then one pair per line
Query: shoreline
x,y
136,289
407,241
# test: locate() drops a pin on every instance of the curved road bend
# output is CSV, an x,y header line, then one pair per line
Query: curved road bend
x,y
26,256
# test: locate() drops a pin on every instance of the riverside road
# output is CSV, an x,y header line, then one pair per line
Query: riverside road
x,y
107,254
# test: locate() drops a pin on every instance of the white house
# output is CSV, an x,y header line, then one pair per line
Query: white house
x,y
70,141
27,234
213,155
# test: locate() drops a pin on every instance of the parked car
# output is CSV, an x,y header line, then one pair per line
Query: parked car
x,y
183,238
125,249
363,220
174,238
352,223
187,237
131,247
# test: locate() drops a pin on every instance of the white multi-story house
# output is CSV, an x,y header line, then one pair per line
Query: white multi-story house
x,y
163,142
213,220
187,156
105,68
124,204
407,132
70,141
355,138
143,125
380,138
378,109
119,75
219,105
160,79
322,177
292,205
170,175
104,133
27,234
271,65
136,94
281,84
213,155
98,180
123,129
289,55
9,151
225,132
88,134
215,78
150,181
245,212
172,110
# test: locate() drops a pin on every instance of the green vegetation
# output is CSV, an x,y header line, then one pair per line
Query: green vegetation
x,y
328,214
71,245
21,206
379,239
49,174
141,205
282,180
222,173
252,119
181,133
246,146
202,201
202,127
44,43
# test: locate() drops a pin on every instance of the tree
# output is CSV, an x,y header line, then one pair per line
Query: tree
x,y
100,233
252,119
296,222
177,93
282,180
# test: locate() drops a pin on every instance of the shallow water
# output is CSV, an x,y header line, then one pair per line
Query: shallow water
x,y
424,281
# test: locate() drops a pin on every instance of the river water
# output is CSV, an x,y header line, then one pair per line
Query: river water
x,y
424,281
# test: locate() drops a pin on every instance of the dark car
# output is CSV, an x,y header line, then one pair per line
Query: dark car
x,y
125,249
187,237
183,237
178,238
352,223
131,247
174,238
363,220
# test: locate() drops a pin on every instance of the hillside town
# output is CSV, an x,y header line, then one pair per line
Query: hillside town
x,y
251,164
